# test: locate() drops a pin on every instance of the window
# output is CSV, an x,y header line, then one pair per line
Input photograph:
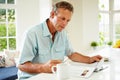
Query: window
x,y
109,20
7,24
116,18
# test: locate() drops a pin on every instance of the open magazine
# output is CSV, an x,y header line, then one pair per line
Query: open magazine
x,y
84,70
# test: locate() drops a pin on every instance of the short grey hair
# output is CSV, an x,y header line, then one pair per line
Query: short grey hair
x,y
63,4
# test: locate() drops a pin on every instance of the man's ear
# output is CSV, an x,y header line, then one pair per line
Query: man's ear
x,y
52,14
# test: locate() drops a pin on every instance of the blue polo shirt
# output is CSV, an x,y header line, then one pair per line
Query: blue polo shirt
x,y
38,47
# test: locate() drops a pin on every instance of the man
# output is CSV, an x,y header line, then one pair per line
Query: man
x,y
46,44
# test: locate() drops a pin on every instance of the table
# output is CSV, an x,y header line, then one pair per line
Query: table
x,y
111,73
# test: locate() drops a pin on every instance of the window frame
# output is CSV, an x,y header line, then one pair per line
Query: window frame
x,y
111,12
7,7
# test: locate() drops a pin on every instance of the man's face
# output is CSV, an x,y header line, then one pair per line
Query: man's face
x,y
61,18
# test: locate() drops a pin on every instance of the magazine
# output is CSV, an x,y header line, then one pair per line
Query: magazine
x,y
84,70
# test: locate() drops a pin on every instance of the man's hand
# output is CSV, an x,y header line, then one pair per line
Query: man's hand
x,y
47,66
96,58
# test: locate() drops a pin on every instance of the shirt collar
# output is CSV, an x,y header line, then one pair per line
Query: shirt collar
x,y
46,31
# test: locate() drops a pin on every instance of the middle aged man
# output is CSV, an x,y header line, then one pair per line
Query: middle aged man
x,y
46,44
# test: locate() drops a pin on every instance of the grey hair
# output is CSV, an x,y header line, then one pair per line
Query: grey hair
x,y
63,4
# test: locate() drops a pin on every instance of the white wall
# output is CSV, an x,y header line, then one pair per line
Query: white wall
x,y
45,8
29,13
90,22
82,29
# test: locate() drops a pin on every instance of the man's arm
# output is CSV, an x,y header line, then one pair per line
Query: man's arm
x,y
30,67
77,57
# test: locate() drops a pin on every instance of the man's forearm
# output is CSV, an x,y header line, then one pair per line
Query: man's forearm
x,y
32,68
80,58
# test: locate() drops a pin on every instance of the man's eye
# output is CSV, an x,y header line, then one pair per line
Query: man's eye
x,y
63,18
68,20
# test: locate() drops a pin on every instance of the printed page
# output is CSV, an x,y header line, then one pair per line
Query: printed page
x,y
99,64
83,70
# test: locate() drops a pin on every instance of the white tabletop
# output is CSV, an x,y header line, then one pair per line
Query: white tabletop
x,y
111,73
95,76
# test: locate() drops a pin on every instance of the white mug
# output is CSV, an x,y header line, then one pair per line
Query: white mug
x,y
61,71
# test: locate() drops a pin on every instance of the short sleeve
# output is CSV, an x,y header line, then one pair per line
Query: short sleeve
x,y
28,49
68,49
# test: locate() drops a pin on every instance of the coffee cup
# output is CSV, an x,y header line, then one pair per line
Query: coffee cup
x,y
61,71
